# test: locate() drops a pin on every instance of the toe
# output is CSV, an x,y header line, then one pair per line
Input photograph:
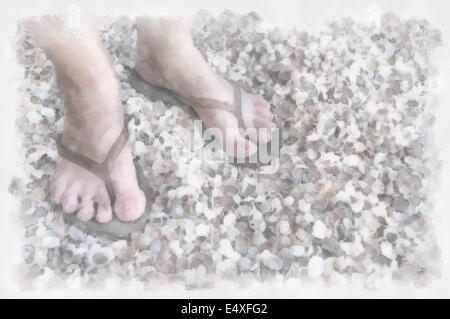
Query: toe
x,y
261,101
130,207
86,210
57,189
264,123
104,212
263,114
69,200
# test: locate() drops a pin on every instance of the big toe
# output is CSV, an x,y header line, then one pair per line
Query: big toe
x,y
129,207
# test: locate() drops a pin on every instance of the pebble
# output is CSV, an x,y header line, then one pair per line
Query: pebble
x,y
387,250
303,206
271,261
227,250
202,230
315,266
320,230
51,242
288,201
229,220
100,256
284,227
297,250
34,117
155,245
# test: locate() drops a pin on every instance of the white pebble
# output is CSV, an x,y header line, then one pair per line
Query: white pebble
x,y
320,230
229,219
303,206
51,242
297,250
387,250
34,117
288,201
202,229
227,250
284,227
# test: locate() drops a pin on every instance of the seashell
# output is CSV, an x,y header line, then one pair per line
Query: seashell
x,y
320,230
203,230
271,261
100,256
284,227
51,242
297,250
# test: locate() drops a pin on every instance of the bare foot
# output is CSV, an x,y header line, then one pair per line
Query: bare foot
x,y
167,57
94,119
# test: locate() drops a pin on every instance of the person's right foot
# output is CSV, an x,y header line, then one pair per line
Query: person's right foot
x,y
93,121
167,57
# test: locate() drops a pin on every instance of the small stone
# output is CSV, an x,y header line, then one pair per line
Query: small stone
x,y
331,245
412,103
303,206
202,230
227,250
315,267
40,211
155,245
48,113
387,250
276,204
51,242
34,117
284,227
100,256
77,234
28,254
320,230
297,250
121,249
229,220
391,237
174,246
288,201
244,263
271,261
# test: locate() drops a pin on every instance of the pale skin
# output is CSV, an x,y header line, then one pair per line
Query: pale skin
x,y
167,57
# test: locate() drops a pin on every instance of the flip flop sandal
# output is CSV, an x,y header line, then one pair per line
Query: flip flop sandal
x,y
115,228
156,93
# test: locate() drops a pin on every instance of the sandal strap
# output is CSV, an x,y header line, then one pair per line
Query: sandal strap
x,y
103,169
238,106
235,108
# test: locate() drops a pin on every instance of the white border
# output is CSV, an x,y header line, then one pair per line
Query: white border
x,y
278,12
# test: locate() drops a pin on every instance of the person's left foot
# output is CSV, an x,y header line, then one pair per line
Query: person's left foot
x,y
167,57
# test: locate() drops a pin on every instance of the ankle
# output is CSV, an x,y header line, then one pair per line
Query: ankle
x,y
94,119
93,143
